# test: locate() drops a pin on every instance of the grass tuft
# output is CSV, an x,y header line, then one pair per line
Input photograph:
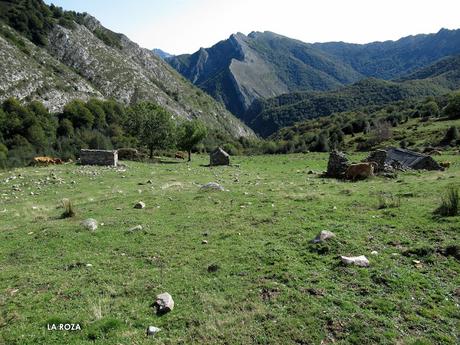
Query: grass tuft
x,y
69,210
449,203
388,201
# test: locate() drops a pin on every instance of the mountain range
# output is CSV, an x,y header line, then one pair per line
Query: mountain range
x,y
55,56
261,77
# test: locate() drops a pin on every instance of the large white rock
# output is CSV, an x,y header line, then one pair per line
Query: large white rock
x,y
152,330
355,260
139,205
90,224
164,303
323,236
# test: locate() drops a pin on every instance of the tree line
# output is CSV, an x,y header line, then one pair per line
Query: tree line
x,y
29,130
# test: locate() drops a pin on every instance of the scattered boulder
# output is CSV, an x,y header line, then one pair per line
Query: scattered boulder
x,y
204,242
355,260
90,224
219,157
212,186
323,236
164,303
135,228
139,205
152,330
337,164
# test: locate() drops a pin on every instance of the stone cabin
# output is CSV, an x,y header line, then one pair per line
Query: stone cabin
x,y
99,157
406,159
219,157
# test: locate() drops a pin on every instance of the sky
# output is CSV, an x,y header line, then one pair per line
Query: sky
x,y
183,26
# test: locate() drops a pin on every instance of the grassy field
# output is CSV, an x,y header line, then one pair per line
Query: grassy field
x,y
268,284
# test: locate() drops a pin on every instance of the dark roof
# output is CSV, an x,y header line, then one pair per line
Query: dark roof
x,y
406,158
219,151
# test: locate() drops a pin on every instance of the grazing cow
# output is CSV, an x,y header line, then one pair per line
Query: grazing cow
x,y
180,155
360,171
46,161
445,164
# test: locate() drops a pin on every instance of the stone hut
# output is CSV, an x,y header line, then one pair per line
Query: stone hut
x,y
99,157
219,157
337,165
404,159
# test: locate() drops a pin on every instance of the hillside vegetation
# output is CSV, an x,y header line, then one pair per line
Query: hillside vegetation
x,y
263,65
54,57
415,124
268,116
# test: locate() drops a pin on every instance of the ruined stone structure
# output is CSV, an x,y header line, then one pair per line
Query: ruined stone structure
x,y
219,157
99,157
396,158
337,165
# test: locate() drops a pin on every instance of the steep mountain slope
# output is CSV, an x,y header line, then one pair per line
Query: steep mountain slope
x,y
444,72
79,58
243,68
392,59
268,116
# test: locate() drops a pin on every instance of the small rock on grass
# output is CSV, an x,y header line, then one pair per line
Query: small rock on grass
x,y
323,236
152,330
139,205
212,186
90,224
355,260
164,303
135,228
213,268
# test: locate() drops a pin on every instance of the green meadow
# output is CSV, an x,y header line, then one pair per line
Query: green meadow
x,y
257,280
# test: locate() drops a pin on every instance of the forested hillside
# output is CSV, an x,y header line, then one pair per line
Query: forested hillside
x,y
260,66
268,116
55,56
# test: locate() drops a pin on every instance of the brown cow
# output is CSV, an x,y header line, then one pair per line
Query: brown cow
x,y
445,164
360,170
46,161
180,155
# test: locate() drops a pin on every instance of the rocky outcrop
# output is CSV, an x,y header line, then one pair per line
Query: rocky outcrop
x,y
337,165
77,64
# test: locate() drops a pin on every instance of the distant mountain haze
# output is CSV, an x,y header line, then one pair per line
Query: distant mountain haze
x,y
161,53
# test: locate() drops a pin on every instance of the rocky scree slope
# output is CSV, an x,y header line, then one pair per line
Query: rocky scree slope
x,y
77,63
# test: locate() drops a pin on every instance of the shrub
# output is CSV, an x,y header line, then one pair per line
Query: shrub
x,y
449,203
69,211
388,201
